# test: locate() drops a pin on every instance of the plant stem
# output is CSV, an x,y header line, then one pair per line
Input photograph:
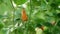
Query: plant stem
x,y
13,14
13,10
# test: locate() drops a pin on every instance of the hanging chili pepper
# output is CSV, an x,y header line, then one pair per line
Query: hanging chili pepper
x,y
24,16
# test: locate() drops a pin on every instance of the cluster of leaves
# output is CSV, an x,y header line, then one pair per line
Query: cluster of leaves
x,y
45,12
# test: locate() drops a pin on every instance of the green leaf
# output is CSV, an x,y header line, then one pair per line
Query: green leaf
x,y
1,16
5,7
36,2
19,2
1,25
4,31
58,24
54,5
58,15
1,1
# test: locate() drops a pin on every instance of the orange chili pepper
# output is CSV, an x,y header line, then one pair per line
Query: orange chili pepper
x,y
24,16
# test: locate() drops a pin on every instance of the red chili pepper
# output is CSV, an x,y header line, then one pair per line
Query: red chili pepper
x,y
24,16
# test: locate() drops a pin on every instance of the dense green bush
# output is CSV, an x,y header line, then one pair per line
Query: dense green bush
x,y
43,12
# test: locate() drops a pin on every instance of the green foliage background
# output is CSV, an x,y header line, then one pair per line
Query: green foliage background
x,y
39,12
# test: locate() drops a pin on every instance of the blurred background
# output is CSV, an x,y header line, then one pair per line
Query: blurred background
x,y
43,17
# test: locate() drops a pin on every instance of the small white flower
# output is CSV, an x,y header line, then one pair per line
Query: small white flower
x,y
4,20
5,13
38,30
7,32
24,5
59,6
14,4
16,25
11,29
20,24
